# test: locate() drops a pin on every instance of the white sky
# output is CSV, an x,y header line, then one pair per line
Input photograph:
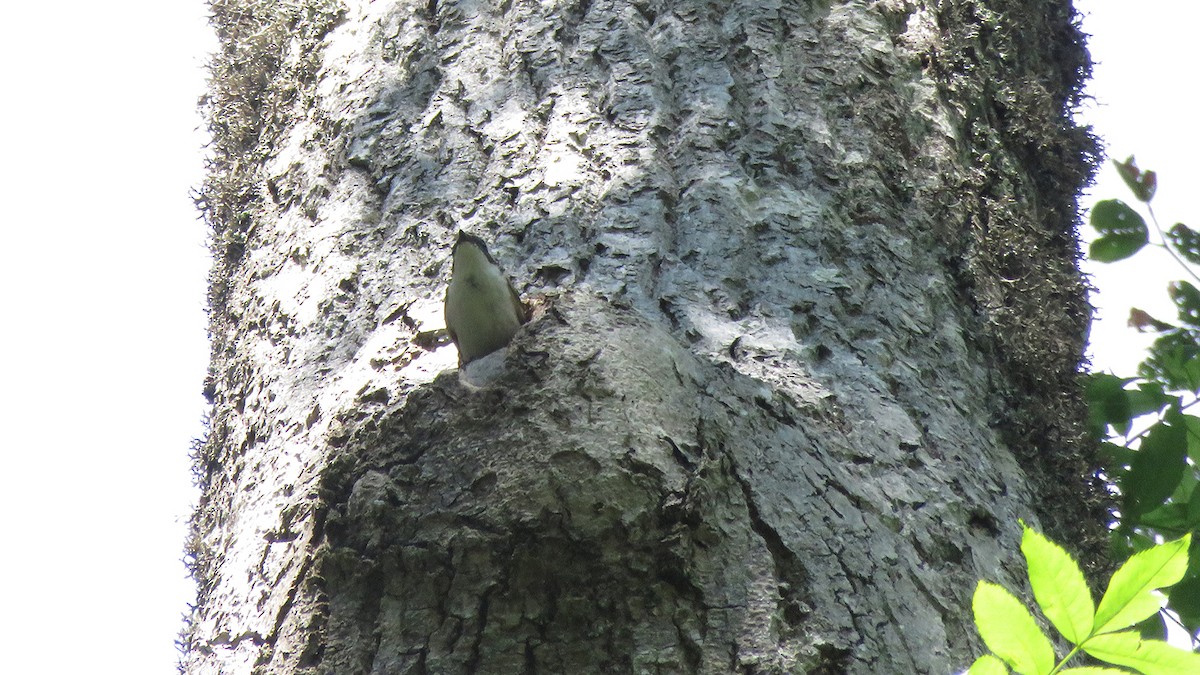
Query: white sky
x,y
102,283
102,280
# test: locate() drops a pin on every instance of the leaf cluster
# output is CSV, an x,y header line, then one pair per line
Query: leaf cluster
x,y
1153,471
1102,632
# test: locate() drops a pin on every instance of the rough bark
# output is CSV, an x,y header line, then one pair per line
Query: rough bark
x,y
808,323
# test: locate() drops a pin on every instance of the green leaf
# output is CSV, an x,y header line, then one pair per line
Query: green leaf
x,y
1059,586
1173,360
1168,517
1192,424
1126,542
1187,485
1152,657
1193,511
1149,397
1156,469
1187,302
1119,545
1122,231
1094,670
988,665
1107,403
1152,627
1009,630
1186,241
1111,403
1185,601
1114,247
1194,559
1132,592
1115,457
1142,542
1141,183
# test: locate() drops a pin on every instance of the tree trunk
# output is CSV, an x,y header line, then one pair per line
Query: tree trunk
x,y
806,330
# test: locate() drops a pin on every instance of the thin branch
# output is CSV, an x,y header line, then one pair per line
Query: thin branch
x,y
1167,244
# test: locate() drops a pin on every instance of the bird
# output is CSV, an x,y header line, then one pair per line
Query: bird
x,y
483,310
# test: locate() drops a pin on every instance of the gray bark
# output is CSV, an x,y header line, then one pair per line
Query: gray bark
x,y
807,322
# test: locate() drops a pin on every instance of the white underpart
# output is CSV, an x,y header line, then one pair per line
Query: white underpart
x,y
479,305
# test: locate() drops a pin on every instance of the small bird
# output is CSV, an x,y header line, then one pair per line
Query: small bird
x,y
483,311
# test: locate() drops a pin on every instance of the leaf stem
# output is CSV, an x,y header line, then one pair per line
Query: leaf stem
x,y
1167,244
1068,657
